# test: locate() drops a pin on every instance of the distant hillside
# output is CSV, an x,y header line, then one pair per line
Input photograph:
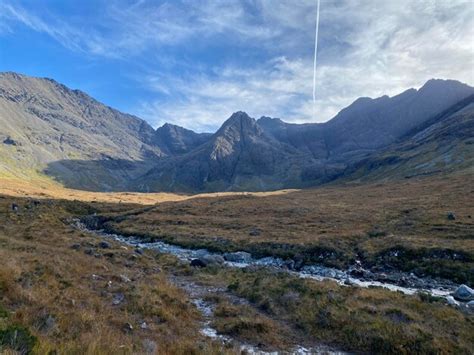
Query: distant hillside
x,y
49,129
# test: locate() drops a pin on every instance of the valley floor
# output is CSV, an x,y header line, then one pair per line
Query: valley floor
x,y
68,290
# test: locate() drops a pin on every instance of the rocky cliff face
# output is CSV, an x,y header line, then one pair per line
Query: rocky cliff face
x,y
47,128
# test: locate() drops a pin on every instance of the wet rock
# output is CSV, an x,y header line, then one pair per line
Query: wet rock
x,y
464,293
197,263
289,264
208,260
451,301
104,245
349,282
299,262
118,298
451,216
238,257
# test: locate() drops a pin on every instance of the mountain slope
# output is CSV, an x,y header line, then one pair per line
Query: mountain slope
x,y
49,129
174,140
47,122
239,156
369,124
443,144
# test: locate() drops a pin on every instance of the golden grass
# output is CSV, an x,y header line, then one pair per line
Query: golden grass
x,y
46,188
64,297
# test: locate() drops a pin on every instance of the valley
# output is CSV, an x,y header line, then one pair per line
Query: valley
x,y
98,287
264,237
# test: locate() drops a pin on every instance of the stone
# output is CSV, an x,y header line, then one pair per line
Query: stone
x,y
470,305
213,259
464,293
128,327
197,263
124,279
451,216
76,246
451,301
118,298
14,207
238,257
89,251
104,245
139,251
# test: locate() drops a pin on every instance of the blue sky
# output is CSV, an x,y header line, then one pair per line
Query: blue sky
x,y
194,62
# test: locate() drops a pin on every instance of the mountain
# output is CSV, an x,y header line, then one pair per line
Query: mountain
x,y
175,140
47,129
369,124
50,123
239,156
445,143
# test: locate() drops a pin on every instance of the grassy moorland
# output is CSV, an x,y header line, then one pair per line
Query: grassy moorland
x,y
61,292
399,225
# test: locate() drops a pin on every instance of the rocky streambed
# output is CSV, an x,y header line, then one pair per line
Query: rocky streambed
x,y
354,276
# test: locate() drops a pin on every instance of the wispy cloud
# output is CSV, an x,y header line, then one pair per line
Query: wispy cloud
x,y
181,50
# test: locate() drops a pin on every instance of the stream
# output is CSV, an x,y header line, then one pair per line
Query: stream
x,y
243,260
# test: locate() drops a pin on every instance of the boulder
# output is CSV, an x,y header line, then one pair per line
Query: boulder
x,y
118,298
238,257
208,260
212,259
451,301
104,245
197,263
464,293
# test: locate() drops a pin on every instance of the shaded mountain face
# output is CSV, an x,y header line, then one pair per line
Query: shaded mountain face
x,y
445,143
51,123
174,140
369,124
239,156
46,128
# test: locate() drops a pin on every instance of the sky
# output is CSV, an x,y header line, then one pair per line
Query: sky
x,y
195,62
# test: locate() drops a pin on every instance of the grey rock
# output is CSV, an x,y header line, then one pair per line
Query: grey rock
x,y
76,246
451,301
104,245
238,257
470,305
118,298
464,293
198,263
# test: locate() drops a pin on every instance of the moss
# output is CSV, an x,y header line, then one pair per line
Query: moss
x,y
17,338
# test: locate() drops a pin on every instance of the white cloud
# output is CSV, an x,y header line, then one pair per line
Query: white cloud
x,y
367,48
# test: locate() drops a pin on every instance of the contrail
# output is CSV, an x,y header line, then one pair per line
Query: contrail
x,y
315,53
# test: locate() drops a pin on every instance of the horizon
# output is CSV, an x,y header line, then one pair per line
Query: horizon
x,y
193,65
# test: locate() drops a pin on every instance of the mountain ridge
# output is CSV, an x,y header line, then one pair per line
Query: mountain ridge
x,y
68,135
